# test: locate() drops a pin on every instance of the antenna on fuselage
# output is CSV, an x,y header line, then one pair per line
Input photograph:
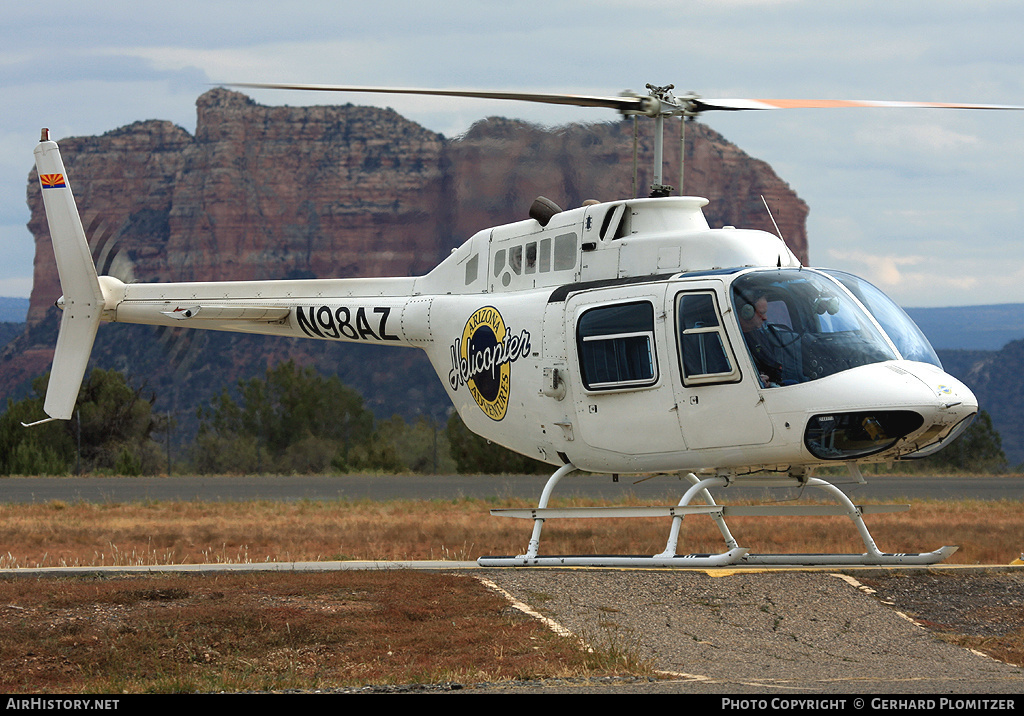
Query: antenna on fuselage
x,y
772,217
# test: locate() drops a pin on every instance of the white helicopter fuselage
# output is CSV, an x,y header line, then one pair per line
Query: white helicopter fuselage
x,y
569,342
620,337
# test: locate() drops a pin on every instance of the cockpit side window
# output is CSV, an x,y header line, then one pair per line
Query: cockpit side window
x,y
704,350
616,346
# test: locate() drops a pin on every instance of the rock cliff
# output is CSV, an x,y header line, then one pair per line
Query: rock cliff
x,y
287,192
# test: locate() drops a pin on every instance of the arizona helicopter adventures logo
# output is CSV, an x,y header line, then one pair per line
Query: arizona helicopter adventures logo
x,y
482,360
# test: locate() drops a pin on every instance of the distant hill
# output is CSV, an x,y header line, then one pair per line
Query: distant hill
x,y
997,381
984,347
986,328
13,310
8,331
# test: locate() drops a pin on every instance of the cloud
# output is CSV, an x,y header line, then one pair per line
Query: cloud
x,y
887,270
113,66
16,287
927,138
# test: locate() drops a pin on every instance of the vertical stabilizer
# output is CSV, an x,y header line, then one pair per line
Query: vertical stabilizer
x,y
83,298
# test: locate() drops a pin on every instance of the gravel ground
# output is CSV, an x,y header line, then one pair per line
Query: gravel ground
x,y
983,603
783,631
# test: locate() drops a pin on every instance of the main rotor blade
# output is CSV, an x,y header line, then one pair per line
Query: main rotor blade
x,y
622,104
701,104
631,104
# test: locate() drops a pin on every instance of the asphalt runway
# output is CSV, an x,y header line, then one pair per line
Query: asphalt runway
x,y
775,633
662,489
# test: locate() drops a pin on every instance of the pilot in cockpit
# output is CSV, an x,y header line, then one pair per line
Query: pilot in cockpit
x,y
753,317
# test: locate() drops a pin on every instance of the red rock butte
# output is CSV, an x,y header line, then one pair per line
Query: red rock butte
x,y
335,191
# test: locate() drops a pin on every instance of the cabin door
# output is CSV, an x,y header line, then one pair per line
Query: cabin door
x,y
718,399
617,340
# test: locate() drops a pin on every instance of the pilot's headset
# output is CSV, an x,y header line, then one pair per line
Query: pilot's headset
x,y
745,305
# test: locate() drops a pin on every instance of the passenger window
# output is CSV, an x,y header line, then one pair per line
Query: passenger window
x,y
515,259
616,346
565,252
531,257
545,255
704,347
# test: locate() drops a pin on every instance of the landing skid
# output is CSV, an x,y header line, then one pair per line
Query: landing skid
x,y
734,554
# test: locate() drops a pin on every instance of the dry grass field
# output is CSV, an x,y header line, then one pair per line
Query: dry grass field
x,y
280,631
173,532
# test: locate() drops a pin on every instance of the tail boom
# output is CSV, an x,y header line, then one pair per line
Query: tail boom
x,y
363,310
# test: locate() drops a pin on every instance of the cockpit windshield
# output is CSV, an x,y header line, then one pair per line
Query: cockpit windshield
x,y
909,340
800,326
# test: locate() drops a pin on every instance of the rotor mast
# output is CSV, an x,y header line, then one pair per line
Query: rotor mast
x,y
662,103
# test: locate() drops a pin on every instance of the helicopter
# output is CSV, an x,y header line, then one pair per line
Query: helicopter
x,y
618,337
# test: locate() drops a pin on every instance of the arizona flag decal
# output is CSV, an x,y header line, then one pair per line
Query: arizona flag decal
x,y
52,181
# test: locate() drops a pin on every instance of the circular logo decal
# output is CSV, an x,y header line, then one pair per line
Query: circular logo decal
x,y
482,360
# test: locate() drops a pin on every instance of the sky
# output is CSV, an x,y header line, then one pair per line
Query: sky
x,y
924,203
